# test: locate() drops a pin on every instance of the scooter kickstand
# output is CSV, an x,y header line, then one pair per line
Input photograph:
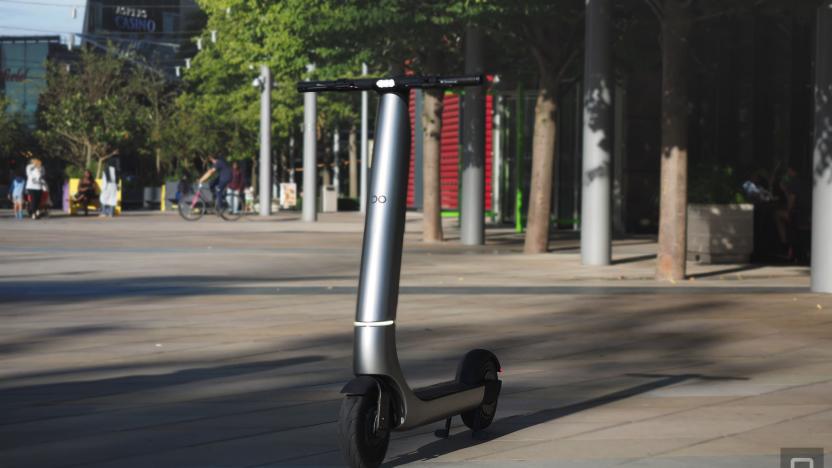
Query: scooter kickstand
x,y
444,433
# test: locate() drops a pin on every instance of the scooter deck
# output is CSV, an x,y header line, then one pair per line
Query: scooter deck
x,y
441,389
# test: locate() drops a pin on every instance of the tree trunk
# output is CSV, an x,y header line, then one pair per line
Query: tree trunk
x,y
674,158
543,158
158,162
353,143
326,180
87,156
254,171
431,196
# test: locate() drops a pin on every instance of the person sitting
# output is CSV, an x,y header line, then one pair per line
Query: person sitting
x,y
754,189
87,191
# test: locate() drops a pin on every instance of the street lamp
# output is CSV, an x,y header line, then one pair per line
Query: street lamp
x,y
264,84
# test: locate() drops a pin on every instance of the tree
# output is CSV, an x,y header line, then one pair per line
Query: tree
x,y
157,99
677,18
422,36
88,111
15,136
551,33
676,29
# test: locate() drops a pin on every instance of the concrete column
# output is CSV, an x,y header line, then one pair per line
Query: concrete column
x,y
599,121
472,203
310,151
265,141
365,97
822,157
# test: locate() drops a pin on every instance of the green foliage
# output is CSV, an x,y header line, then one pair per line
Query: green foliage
x,y
90,112
15,135
714,183
334,35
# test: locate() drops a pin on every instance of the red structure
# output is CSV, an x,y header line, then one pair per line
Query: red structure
x,y
450,149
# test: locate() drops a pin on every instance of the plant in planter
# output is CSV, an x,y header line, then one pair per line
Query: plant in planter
x,y
720,221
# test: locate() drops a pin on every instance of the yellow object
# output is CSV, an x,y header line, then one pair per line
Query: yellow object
x,y
74,207
164,199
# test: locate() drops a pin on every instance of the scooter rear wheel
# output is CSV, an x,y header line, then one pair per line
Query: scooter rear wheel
x,y
361,445
477,367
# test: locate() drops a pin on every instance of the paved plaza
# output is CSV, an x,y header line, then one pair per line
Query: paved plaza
x,y
147,341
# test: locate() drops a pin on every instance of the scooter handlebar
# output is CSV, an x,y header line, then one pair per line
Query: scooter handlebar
x,y
401,83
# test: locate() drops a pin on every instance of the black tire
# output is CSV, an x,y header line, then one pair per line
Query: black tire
x,y
479,366
360,445
189,213
226,212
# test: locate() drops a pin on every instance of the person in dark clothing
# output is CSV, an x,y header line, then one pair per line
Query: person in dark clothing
x,y
789,216
218,185
87,191
235,187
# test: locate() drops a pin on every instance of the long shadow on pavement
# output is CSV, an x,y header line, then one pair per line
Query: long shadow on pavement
x,y
505,426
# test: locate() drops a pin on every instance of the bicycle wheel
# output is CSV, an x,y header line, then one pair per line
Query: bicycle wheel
x,y
230,210
191,211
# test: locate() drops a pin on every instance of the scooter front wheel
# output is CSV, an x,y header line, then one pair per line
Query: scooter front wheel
x,y
361,444
479,366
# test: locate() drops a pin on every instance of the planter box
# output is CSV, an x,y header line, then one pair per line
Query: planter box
x,y
720,233
152,197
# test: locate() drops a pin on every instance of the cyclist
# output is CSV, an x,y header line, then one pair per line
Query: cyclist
x,y
223,171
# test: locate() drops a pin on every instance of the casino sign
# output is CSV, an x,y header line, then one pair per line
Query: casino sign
x,y
130,19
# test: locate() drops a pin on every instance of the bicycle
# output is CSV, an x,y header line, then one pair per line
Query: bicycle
x,y
226,206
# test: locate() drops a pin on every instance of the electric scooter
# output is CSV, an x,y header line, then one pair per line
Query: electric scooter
x,y
379,400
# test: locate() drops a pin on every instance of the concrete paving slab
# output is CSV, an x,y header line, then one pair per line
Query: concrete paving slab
x,y
148,341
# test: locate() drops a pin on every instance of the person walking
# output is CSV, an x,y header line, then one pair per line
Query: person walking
x,y
35,185
235,187
16,192
109,189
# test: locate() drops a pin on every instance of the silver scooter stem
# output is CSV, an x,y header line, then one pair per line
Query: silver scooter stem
x,y
374,351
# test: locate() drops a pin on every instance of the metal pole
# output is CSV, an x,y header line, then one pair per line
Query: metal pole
x,y
291,159
497,162
520,154
336,163
265,141
598,135
418,151
472,209
365,97
822,157
310,150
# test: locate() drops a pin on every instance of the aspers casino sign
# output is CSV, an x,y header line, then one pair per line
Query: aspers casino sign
x,y
130,19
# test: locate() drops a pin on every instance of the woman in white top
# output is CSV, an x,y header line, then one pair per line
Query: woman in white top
x,y
35,185
109,189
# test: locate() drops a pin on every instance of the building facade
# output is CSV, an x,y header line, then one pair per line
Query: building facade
x,y
23,71
160,31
